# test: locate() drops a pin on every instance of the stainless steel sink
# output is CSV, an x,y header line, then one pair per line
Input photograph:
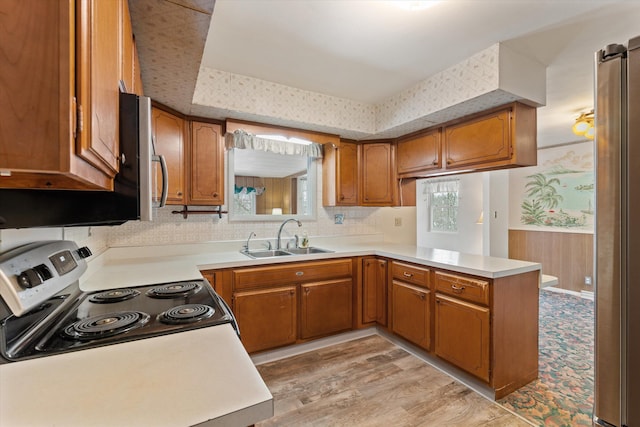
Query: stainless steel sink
x,y
309,250
271,253
265,253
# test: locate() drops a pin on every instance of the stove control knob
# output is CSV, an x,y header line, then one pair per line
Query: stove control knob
x,y
29,278
84,252
34,276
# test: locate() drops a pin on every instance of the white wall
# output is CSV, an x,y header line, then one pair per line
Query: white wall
x,y
469,238
496,214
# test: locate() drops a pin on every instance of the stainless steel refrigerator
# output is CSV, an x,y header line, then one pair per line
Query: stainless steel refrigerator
x,y
617,238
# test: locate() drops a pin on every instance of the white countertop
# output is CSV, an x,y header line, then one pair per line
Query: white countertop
x,y
136,266
200,377
176,380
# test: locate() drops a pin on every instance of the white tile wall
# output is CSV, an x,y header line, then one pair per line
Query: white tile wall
x,y
168,228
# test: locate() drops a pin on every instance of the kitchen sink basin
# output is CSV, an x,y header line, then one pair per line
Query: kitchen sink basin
x,y
270,253
309,250
265,253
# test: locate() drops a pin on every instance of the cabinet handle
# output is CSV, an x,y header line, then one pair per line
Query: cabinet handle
x,y
457,289
292,292
299,273
409,275
307,290
215,195
420,295
179,193
341,197
449,161
435,163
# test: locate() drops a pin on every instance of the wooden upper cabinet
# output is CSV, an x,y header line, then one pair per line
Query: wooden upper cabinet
x,y
340,174
169,138
98,83
206,166
60,85
137,74
503,137
377,174
127,68
419,153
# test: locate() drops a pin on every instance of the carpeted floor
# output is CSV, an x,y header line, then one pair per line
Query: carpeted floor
x,y
563,393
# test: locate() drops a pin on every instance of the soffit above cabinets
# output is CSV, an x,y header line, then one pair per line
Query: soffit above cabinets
x,y
171,37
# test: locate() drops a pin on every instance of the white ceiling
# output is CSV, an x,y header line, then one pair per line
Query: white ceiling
x,y
369,50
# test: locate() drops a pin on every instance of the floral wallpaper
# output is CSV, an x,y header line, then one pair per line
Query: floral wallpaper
x,y
556,195
470,86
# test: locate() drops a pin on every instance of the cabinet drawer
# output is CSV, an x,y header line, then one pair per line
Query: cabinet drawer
x,y
475,290
291,273
411,274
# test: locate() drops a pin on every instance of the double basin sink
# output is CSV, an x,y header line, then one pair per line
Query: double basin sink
x,y
270,253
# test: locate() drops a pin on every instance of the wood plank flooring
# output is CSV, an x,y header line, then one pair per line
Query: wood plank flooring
x,y
372,382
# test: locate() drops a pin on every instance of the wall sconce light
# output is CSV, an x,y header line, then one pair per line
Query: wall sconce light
x,y
584,125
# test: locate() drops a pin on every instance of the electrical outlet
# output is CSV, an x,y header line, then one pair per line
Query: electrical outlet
x,y
587,280
398,221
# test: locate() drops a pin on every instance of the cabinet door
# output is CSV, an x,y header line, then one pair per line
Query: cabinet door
x,y
378,174
325,307
206,183
374,295
266,318
483,140
168,132
98,61
340,174
419,153
127,68
411,314
462,335
347,177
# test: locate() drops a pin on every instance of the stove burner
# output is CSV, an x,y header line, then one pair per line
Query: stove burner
x,y
187,313
115,295
173,290
106,325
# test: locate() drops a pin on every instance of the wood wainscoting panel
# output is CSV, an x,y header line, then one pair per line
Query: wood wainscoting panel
x,y
568,256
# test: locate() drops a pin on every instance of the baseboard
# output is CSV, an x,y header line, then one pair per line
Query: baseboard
x,y
582,294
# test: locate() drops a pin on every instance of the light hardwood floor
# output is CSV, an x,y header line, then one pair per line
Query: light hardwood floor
x,y
372,382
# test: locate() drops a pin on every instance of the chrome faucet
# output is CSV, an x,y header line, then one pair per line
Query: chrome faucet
x,y
246,245
278,242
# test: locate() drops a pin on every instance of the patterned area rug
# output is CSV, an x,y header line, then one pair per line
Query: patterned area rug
x,y
563,393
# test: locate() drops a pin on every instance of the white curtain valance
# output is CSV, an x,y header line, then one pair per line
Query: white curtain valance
x,y
242,140
442,186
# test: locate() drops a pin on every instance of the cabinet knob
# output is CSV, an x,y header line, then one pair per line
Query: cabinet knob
x,y
341,197
449,161
435,163
179,193
457,289
215,195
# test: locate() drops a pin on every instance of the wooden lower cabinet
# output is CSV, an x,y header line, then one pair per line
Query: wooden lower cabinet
x,y
278,305
374,291
411,313
463,335
267,318
325,307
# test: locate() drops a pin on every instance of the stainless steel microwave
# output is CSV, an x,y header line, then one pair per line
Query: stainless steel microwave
x,y
134,195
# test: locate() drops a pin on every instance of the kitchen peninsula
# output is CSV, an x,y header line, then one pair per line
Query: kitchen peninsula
x,y
480,313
